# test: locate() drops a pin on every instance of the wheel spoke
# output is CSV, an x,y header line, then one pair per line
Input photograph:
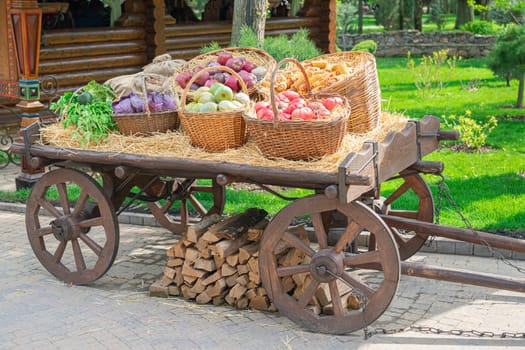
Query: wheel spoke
x,y
336,298
320,232
197,205
91,222
166,206
296,242
351,233
356,283
361,259
81,203
284,271
91,243
308,293
208,189
59,252
183,211
44,231
79,258
397,193
62,192
49,207
409,214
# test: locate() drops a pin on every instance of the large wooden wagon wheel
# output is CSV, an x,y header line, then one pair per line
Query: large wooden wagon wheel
x,y
76,242
183,195
413,185
361,286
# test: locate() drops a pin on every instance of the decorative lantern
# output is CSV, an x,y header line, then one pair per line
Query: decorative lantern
x,y
27,28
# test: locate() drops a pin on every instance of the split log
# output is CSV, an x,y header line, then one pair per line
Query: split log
x,y
237,225
194,232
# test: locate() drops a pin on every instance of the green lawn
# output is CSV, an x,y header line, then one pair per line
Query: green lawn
x,y
489,187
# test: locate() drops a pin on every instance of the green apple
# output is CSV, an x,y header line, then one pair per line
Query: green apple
x,y
194,106
226,105
215,86
209,107
242,98
197,93
223,93
206,97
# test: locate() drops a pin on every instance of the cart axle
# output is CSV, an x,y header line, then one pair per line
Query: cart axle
x,y
460,234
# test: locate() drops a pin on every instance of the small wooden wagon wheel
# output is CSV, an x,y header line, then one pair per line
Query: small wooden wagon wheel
x,y
183,195
413,185
358,287
76,242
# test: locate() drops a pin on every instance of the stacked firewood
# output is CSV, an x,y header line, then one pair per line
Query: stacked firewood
x,y
217,261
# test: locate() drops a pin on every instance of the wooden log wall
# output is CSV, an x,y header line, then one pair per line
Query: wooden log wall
x,y
76,57
185,40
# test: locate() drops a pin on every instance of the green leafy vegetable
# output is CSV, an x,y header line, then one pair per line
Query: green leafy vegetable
x,y
90,117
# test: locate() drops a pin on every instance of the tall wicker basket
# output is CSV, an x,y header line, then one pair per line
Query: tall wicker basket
x,y
299,139
360,86
217,131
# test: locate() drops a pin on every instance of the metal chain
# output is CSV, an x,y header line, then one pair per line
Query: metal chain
x,y
434,330
443,190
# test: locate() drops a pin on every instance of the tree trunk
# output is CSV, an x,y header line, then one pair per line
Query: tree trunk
x,y
483,15
360,5
239,19
418,15
251,13
464,13
401,14
521,91
258,22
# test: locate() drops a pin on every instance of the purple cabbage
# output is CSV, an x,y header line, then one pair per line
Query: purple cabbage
x,y
123,106
169,102
133,103
155,102
137,103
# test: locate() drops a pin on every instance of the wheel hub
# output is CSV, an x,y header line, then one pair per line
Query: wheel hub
x,y
326,265
63,229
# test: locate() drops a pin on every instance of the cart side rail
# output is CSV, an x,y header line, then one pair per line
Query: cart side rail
x,y
398,151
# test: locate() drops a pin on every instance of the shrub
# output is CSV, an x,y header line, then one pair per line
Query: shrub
x,y
473,133
429,74
366,46
482,27
298,46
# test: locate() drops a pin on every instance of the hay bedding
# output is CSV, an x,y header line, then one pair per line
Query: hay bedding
x,y
177,145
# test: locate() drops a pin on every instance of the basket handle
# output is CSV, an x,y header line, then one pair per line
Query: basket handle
x,y
272,83
207,69
145,96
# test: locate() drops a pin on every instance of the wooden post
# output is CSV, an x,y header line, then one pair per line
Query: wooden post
x,y
26,21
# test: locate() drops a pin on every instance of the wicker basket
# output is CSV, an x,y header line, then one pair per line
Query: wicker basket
x,y
299,139
146,123
361,87
257,56
218,131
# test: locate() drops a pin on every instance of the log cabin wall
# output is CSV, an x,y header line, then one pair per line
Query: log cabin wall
x,y
76,56
318,16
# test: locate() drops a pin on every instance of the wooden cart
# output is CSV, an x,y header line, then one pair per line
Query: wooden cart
x,y
347,201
